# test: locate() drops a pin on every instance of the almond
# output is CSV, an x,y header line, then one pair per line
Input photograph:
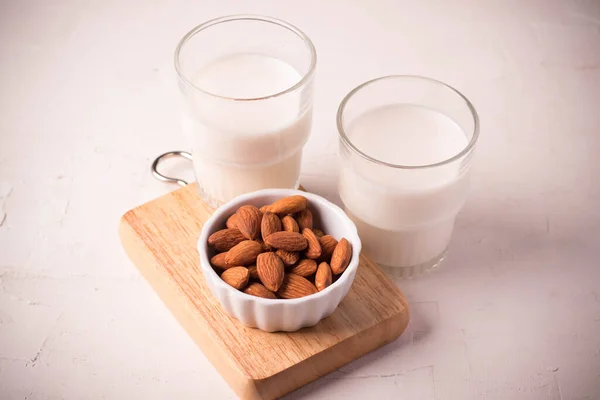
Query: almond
x,y
265,208
341,256
295,286
305,268
328,244
323,277
249,221
289,258
290,224
218,261
225,239
304,219
231,222
288,241
256,289
236,277
270,224
253,272
270,270
313,250
288,205
318,233
244,253
262,245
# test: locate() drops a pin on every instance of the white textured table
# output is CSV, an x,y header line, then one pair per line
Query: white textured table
x,y
87,100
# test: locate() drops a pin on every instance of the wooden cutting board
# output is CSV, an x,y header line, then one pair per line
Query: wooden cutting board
x,y
160,238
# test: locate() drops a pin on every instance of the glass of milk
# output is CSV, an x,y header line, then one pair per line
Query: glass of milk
x,y
406,144
247,84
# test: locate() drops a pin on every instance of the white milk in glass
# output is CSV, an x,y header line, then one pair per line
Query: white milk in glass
x,y
404,217
242,139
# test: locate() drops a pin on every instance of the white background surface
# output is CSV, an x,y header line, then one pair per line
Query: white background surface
x,y
87,95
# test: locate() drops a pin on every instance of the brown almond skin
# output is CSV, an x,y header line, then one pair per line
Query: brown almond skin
x,y
328,244
236,277
341,256
264,208
270,270
319,233
225,239
295,286
304,220
231,222
323,277
290,224
253,272
258,290
288,241
270,224
244,253
305,268
249,221
218,261
289,205
289,258
263,245
313,250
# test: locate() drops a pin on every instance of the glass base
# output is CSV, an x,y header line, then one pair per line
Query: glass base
x,y
214,203
209,200
415,270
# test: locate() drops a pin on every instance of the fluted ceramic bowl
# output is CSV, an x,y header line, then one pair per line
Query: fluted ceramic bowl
x,y
281,315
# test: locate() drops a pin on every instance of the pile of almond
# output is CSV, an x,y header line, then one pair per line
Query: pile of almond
x,y
275,252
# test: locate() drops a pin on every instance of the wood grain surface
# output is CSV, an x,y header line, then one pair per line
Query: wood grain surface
x,y
160,238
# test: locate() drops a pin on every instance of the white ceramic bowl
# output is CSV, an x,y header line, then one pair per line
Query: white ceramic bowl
x,y
281,315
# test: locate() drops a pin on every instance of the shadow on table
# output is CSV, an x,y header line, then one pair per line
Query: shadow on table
x,y
424,316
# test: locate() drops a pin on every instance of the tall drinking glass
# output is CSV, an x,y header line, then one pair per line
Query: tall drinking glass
x,y
406,144
247,84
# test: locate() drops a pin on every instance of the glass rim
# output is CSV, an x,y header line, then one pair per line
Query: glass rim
x,y
348,142
249,17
